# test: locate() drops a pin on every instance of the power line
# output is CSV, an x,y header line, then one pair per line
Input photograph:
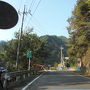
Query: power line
x,y
33,12
32,4
37,6
30,7
32,16
38,24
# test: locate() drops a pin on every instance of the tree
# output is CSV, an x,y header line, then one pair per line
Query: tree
x,y
29,41
79,30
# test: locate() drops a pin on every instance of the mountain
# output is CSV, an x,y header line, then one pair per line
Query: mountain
x,y
53,44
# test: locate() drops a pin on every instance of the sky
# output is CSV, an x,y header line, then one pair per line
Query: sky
x,y
49,17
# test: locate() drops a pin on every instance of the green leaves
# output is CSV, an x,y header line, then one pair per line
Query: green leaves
x,y
30,42
79,30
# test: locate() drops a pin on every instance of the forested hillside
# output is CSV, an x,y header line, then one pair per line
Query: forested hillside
x,y
45,51
53,44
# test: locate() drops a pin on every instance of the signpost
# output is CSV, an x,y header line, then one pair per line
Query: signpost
x,y
29,55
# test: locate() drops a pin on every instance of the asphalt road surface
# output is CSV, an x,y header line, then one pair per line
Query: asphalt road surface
x,y
60,80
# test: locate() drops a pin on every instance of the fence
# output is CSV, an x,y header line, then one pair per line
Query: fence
x,y
11,78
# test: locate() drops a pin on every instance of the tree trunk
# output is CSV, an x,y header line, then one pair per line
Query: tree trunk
x,y
86,62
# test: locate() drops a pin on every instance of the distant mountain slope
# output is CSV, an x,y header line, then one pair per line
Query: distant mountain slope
x,y
53,44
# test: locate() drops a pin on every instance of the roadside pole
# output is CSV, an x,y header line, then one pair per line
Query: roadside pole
x,y
62,61
29,64
21,32
29,56
19,39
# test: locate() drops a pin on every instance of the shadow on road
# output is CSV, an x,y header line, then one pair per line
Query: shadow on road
x,y
61,79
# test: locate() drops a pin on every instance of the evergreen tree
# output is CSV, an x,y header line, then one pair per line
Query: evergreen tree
x,y
79,30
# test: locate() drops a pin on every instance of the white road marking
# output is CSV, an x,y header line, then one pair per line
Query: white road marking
x,y
25,88
84,76
31,82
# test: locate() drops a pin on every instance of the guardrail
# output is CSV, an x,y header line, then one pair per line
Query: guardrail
x,y
10,78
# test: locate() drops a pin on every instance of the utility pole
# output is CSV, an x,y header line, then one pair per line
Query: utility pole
x,y
29,64
20,36
62,61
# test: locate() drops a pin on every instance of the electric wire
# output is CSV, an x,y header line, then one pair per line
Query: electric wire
x,y
29,11
32,4
37,24
37,6
33,13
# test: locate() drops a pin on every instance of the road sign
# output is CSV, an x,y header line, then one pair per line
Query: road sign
x,y
29,54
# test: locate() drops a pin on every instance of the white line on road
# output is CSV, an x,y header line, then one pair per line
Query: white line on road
x,y
31,82
84,77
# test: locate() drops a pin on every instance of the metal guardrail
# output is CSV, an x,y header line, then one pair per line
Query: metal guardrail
x,y
10,78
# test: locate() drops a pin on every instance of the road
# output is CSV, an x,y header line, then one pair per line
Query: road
x,y
60,80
